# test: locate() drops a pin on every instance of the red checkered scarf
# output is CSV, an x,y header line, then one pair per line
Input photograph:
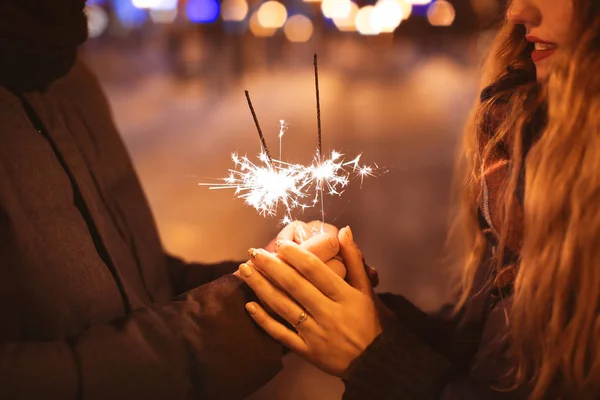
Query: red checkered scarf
x,y
495,172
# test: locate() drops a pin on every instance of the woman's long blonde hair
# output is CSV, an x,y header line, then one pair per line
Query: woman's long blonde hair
x,y
554,321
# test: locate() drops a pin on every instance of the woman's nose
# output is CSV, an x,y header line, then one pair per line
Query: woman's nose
x,y
523,12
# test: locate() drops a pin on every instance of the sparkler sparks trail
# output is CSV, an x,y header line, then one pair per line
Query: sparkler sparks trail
x,y
273,183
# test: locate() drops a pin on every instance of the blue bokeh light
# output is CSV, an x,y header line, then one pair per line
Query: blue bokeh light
x,y
203,11
129,15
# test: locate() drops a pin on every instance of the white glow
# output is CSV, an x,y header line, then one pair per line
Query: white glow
x,y
163,5
97,20
348,23
363,21
418,2
387,15
406,9
336,8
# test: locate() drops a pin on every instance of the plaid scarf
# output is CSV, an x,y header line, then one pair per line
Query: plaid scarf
x,y
495,173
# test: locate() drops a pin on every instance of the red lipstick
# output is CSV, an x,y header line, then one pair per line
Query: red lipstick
x,y
542,48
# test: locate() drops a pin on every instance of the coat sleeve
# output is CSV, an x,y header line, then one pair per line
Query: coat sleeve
x,y
409,361
201,345
186,276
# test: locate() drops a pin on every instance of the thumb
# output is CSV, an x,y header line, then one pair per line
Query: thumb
x,y
356,276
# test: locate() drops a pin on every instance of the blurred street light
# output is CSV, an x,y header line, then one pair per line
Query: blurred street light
x,y
336,8
418,2
298,29
348,23
387,15
363,21
258,29
441,13
203,11
272,14
234,10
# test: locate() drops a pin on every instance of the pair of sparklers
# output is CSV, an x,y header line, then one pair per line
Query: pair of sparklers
x,y
273,183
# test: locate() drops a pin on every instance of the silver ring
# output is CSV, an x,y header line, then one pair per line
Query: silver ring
x,y
303,317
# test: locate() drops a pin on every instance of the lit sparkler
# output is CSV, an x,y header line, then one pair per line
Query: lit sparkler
x,y
273,183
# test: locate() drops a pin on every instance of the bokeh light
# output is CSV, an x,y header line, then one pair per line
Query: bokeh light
x,y
145,3
129,15
387,15
203,11
258,29
298,28
441,13
418,2
363,21
234,10
160,16
347,24
406,9
272,14
97,20
336,8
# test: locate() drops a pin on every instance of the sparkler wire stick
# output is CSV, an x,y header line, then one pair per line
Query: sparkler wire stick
x,y
320,143
320,136
260,134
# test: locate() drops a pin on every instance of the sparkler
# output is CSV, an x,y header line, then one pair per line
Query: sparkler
x,y
272,183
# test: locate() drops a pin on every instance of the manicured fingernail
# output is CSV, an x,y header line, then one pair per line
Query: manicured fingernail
x,y
333,242
348,233
245,270
253,253
251,308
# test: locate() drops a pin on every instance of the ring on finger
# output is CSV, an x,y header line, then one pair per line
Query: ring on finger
x,y
303,317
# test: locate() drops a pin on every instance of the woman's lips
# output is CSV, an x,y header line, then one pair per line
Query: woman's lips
x,y
542,49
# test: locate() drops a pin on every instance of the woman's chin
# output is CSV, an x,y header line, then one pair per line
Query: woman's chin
x,y
542,72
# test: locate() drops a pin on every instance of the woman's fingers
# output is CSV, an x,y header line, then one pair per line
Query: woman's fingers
x,y
276,330
290,280
312,268
356,275
271,296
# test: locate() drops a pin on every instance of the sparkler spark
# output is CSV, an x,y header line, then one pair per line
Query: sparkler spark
x,y
272,183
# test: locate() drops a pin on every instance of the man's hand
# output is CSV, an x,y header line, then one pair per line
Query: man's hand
x,y
299,232
302,233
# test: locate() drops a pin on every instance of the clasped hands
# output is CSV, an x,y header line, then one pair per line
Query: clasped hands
x,y
334,319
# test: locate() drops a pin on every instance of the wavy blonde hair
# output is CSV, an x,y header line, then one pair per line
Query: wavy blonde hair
x,y
554,321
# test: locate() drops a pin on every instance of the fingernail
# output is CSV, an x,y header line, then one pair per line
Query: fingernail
x,y
245,270
278,243
251,308
333,242
349,235
253,253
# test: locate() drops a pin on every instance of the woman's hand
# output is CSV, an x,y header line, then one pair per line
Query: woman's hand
x,y
334,321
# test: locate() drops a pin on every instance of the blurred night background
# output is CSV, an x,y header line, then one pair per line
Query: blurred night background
x,y
397,80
